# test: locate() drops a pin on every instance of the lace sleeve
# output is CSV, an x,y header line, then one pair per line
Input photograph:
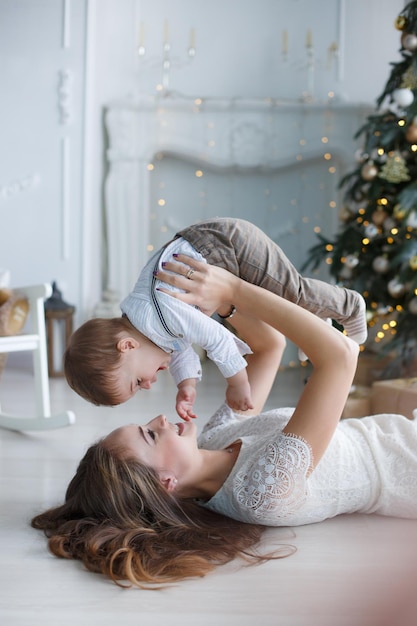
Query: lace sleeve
x,y
224,416
273,486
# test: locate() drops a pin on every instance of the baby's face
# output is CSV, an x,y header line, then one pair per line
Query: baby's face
x,y
138,368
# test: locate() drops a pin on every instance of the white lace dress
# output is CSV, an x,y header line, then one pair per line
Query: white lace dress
x,y
370,466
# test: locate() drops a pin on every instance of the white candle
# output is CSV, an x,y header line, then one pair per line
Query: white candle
x,y
285,41
141,34
166,31
192,38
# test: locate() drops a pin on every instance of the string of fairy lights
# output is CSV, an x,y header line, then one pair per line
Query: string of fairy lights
x,y
202,181
375,250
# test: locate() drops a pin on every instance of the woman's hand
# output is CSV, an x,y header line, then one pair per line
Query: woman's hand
x,y
209,287
214,289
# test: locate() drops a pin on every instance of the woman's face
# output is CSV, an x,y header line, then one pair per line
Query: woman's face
x,y
170,449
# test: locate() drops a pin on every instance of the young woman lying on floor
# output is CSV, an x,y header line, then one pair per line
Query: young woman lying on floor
x,y
152,503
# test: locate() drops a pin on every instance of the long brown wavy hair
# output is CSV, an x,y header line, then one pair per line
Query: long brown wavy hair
x,y
120,521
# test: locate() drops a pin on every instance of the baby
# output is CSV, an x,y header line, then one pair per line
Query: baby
x,y
108,360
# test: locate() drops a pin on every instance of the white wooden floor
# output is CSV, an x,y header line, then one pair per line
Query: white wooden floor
x,y
349,571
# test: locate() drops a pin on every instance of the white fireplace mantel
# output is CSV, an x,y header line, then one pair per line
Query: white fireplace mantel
x,y
248,135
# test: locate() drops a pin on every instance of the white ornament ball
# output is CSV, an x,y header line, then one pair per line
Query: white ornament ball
x,y
383,310
345,273
412,219
361,156
371,231
351,261
380,264
412,306
403,96
389,224
395,288
409,41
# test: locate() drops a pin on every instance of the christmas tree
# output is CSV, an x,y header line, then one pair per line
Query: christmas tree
x,y
375,251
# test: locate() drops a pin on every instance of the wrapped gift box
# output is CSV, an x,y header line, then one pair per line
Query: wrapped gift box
x,y
358,403
395,396
370,367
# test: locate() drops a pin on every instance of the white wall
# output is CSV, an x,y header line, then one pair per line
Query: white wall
x,y
238,54
239,50
42,52
239,46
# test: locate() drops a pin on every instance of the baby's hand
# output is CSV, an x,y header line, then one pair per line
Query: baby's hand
x,y
239,398
185,400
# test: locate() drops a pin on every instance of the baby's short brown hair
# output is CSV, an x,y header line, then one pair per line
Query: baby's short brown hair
x,y
92,356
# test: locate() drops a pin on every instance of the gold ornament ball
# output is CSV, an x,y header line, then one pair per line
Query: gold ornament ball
x,y
413,262
400,22
378,217
369,171
398,212
411,133
344,214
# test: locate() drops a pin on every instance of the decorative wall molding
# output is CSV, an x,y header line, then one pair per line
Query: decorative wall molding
x,y
65,199
65,78
66,25
18,186
247,135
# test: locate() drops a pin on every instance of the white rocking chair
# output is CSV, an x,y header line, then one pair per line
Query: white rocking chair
x,y
36,342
